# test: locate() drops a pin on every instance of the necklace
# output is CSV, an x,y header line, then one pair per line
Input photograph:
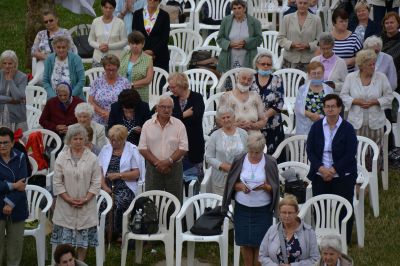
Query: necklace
x,y
253,170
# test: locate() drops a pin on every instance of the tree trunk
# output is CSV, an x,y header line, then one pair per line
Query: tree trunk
x,y
34,23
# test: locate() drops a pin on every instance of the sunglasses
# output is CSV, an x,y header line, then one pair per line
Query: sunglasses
x,y
48,21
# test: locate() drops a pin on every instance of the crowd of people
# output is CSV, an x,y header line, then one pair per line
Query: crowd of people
x,y
114,140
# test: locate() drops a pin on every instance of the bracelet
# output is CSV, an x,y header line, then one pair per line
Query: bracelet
x,y
120,176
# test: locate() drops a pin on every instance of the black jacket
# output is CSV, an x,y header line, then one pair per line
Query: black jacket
x,y
372,27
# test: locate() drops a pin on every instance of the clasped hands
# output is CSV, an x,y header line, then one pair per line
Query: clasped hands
x,y
365,104
237,44
20,185
103,47
240,186
327,174
299,46
77,203
163,166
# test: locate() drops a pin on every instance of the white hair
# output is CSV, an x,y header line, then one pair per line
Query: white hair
x,y
373,41
255,141
261,55
331,241
9,54
84,108
167,97
74,130
224,110
244,71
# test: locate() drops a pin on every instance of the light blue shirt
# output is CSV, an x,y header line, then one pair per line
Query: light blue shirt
x,y
329,134
137,4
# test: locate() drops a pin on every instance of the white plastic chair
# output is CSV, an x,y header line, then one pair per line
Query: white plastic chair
x,y
188,24
208,123
32,117
36,96
205,186
86,94
295,149
100,249
93,74
396,126
288,128
212,103
358,204
231,74
48,138
163,201
365,146
177,59
202,81
216,10
261,12
33,164
84,31
186,39
154,88
301,169
385,148
211,38
35,195
198,204
270,42
327,208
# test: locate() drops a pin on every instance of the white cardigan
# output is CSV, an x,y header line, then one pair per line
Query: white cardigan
x,y
130,159
116,41
338,73
380,90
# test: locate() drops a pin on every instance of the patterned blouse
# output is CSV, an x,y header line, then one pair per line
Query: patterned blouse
x,y
60,72
293,250
314,102
41,43
272,96
105,94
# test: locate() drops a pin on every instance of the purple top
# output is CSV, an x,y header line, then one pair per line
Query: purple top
x,y
329,64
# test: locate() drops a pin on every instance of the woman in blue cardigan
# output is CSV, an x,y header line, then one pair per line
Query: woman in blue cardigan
x,y
63,66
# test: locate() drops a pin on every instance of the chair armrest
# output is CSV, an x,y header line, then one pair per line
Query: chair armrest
x,y
206,180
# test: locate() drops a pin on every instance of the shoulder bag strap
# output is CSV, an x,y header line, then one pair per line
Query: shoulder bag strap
x,y
283,244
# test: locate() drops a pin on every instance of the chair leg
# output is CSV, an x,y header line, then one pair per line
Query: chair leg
x,y
178,250
169,251
53,248
223,252
99,255
40,249
124,250
236,255
138,251
190,252
374,196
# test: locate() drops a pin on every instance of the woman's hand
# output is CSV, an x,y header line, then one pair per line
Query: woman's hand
x,y
113,176
266,187
103,47
107,189
365,104
20,185
7,210
40,56
239,186
188,112
9,75
225,167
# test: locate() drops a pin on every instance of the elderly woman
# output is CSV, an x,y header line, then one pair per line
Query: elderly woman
x,y
391,39
253,182
189,108
222,147
137,66
384,62
13,203
124,10
84,113
347,43
12,92
42,45
381,7
331,252
299,238
59,111
361,24
63,66
248,106
64,255
107,34
270,88
239,36
76,183
335,67
105,90
366,93
121,166
153,23
308,107
131,112
298,36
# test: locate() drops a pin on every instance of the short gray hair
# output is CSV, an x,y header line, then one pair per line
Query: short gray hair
x,y
167,97
9,54
361,4
326,38
84,108
244,71
61,38
331,241
256,141
74,130
373,41
180,79
224,110
364,56
63,86
261,55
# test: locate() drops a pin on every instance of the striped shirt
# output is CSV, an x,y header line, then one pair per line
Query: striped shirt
x,y
348,48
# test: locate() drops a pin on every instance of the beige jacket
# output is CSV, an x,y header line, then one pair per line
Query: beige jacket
x,y
77,181
291,32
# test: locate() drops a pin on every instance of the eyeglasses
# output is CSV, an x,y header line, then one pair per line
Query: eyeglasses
x,y
4,142
165,106
265,64
330,107
48,21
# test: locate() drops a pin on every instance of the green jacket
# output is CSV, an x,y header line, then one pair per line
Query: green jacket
x,y
254,40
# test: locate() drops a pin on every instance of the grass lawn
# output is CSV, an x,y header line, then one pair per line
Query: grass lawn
x,y
382,234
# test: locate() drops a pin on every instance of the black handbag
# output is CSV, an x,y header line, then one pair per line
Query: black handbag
x,y
209,223
81,42
294,185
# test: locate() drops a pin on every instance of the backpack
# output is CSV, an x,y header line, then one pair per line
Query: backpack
x,y
81,41
205,60
210,222
36,149
144,217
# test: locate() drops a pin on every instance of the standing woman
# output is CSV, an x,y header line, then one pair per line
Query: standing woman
x,y
125,9
12,92
239,36
153,23
299,36
13,202
361,24
76,183
107,34
253,182
137,66
270,88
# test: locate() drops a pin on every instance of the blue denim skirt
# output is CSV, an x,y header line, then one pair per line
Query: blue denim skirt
x,y
251,224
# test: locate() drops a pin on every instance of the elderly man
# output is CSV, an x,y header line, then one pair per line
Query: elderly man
x,y
163,143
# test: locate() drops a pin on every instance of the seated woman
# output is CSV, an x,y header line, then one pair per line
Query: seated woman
x,y
121,166
299,238
248,106
105,90
361,24
64,255
222,147
253,182
107,34
63,66
131,112
137,66
308,107
335,67
12,92
42,45
331,252
59,111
